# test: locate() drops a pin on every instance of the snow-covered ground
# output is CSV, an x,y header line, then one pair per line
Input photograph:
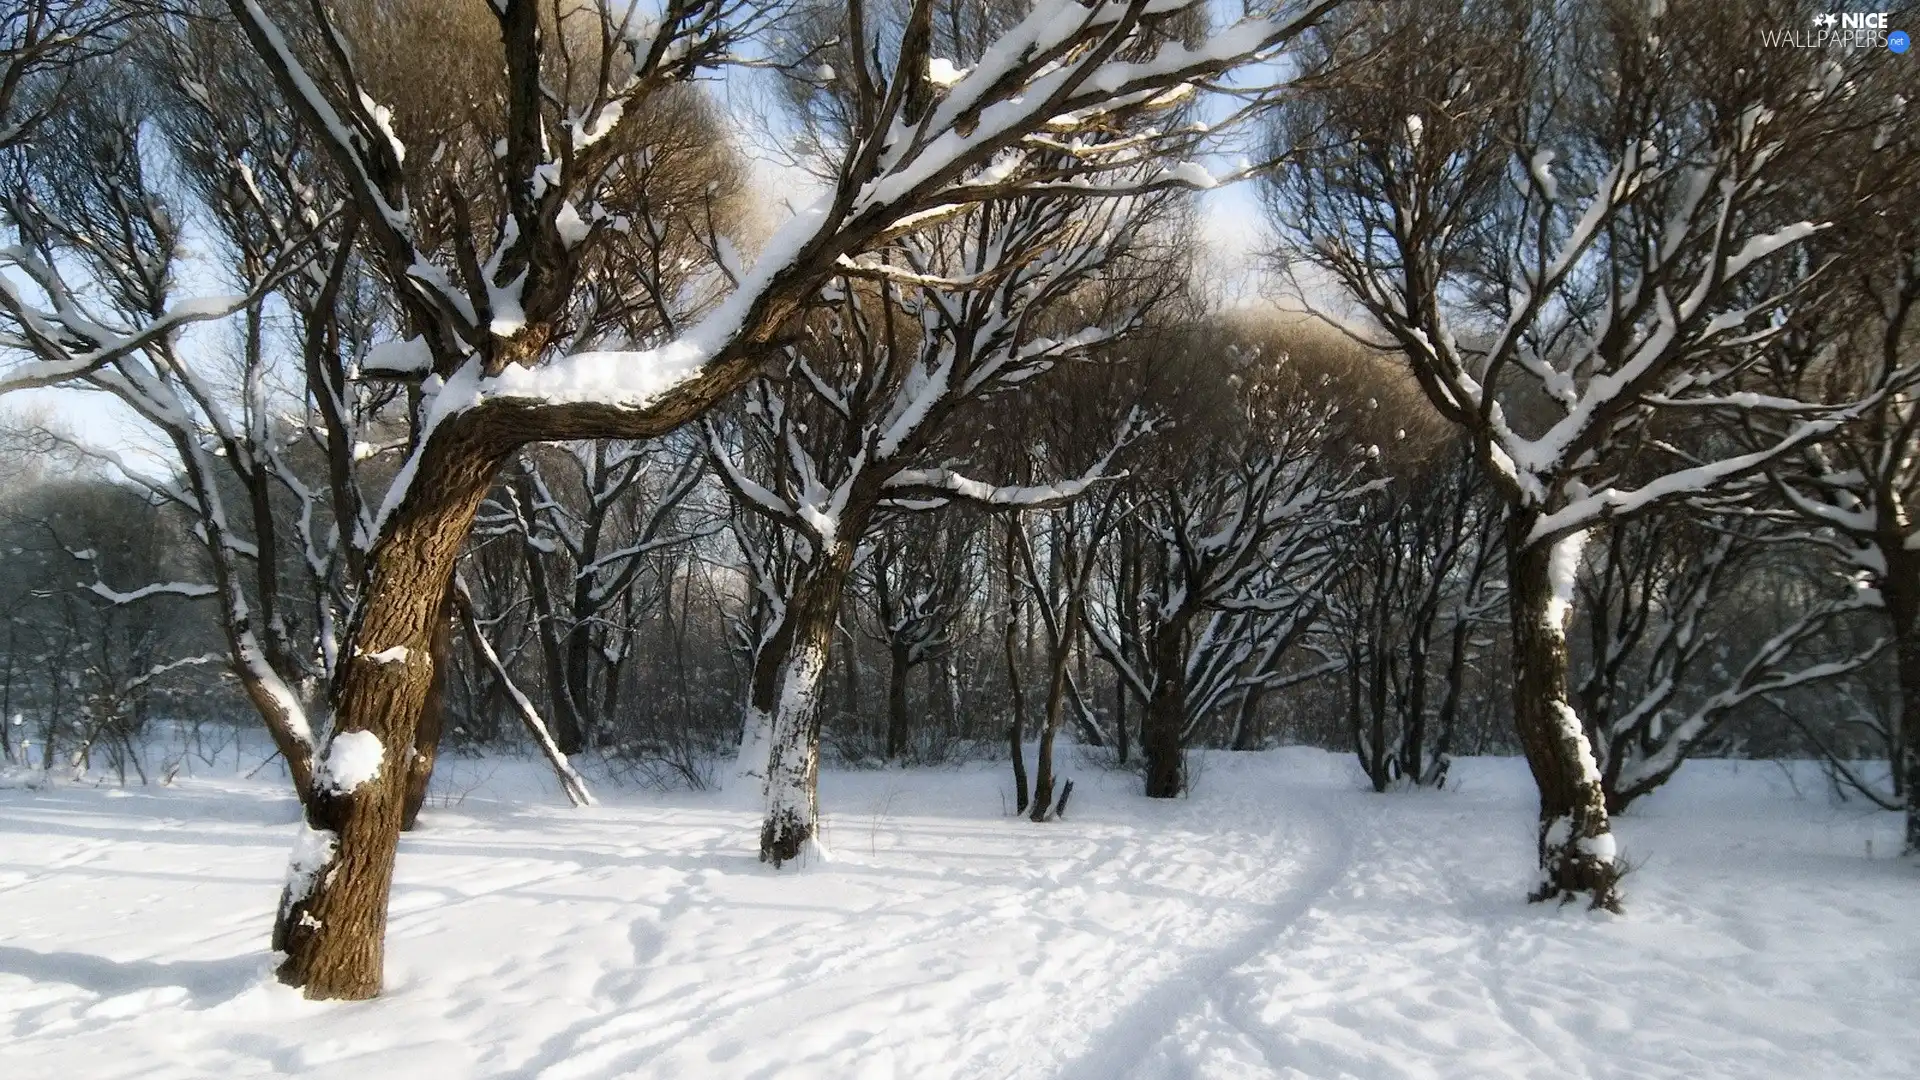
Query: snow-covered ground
x,y
1280,922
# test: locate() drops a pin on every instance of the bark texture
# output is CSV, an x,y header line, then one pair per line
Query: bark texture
x,y
332,919
333,914
432,723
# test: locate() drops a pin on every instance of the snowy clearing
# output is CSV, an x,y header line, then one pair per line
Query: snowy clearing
x,y
1280,922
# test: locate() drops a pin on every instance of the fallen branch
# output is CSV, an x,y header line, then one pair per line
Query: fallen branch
x,y
570,779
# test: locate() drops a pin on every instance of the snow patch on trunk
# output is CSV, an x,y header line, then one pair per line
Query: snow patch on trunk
x,y
1573,734
1601,847
353,759
407,356
1563,570
313,851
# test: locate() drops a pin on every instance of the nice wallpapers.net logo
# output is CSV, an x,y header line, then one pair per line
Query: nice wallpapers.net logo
x,y
1840,30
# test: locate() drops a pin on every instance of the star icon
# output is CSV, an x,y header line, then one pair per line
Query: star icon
x,y
1828,19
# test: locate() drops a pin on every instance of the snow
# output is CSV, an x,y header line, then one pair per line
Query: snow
x,y
353,759
570,226
383,119
633,379
1190,174
748,777
1281,922
1602,847
1759,247
988,494
1541,166
406,356
167,588
1563,573
586,133
395,655
942,73
312,850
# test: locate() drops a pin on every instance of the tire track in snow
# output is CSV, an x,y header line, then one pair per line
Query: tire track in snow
x,y
1121,1047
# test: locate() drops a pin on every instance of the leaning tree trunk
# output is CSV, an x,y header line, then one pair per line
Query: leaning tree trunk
x,y
793,752
1576,846
1160,729
568,727
333,913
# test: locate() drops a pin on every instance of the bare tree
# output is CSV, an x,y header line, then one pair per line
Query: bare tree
x,y
1660,674
1568,221
1073,536
593,552
1858,493
494,305
42,42
1423,577
914,580
86,195
862,428
1241,513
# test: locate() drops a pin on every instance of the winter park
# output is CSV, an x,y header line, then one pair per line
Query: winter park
x,y
1079,539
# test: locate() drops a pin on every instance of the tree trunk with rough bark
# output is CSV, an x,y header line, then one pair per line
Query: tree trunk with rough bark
x,y
579,687
1043,773
432,723
1576,845
1249,725
333,913
793,753
1413,761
